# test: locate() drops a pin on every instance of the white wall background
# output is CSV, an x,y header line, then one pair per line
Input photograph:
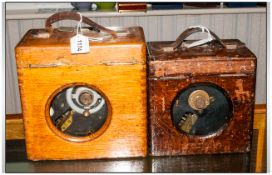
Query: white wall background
x,y
250,28
36,5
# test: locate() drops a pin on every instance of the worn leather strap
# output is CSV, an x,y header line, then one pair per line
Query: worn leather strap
x,y
74,16
176,44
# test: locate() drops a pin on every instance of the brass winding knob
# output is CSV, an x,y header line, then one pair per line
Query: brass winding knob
x,y
199,100
86,98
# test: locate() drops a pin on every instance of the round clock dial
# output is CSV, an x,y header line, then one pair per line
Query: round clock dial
x,y
201,109
78,111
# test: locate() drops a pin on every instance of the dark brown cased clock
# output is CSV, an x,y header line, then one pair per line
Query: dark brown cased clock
x,y
201,95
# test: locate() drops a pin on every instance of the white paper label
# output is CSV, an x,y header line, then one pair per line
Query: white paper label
x,y
79,44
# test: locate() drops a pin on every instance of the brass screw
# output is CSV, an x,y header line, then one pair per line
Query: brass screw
x,y
86,113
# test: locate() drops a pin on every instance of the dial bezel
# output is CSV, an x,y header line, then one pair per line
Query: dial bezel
x,y
64,136
222,128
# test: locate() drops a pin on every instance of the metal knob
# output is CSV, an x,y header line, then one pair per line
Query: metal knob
x,y
86,98
199,100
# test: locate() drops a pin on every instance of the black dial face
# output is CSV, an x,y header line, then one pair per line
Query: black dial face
x,y
78,111
201,109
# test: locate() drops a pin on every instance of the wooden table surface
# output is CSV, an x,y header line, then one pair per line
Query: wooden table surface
x,y
16,162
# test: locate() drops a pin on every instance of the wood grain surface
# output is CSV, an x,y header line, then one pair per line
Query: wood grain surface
x,y
15,127
123,82
171,72
260,124
55,51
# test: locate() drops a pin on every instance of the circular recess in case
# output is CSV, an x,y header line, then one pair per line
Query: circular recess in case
x,y
78,112
201,109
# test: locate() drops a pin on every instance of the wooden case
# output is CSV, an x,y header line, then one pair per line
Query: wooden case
x,y
116,67
173,68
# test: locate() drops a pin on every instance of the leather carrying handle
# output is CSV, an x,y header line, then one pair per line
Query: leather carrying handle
x,y
176,44
74,16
